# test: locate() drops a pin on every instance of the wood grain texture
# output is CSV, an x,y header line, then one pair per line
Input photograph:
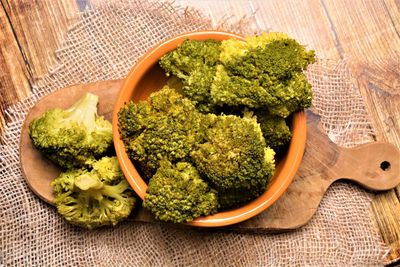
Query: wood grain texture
x,y
30,31
39,28
370,39
14,82
304,20
318,170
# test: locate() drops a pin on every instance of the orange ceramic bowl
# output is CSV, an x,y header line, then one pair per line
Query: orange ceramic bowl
x,y
146,77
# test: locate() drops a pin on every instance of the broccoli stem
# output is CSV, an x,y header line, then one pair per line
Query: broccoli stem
x,y
84,111
86,182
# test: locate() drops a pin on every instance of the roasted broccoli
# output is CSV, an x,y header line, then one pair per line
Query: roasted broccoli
x,y
177,193
93,198
73,136
194,63
235,155
264,71
168,126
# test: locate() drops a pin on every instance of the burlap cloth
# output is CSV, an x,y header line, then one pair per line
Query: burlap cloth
x,y
104,45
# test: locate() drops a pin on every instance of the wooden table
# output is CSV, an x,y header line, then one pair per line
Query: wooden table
x,y
367,33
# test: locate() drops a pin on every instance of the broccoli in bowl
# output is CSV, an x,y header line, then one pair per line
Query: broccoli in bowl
x,y
218,126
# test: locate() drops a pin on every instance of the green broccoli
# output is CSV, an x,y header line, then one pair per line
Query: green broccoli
x,y
264,71
73,136
176,193
197,158
235,155
94,198
132,119
194,63
169,128
272,54
274,128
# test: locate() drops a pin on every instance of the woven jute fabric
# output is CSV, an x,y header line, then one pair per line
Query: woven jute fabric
x,y
104,45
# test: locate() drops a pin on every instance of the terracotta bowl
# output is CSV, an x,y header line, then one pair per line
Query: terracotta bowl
x,y
146,77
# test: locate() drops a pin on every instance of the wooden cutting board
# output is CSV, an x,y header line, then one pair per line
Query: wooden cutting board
x,y
375,166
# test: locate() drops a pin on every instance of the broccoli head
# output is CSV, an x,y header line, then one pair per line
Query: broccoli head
x,y
194,63
171,127
176,193
235,155
264,71
72,136
94,198
274,128
272,54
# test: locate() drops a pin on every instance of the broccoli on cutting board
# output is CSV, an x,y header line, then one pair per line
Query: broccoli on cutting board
x,y
94,197
92,190
72,136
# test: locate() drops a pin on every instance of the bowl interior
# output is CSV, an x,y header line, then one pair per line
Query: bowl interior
x,y
147,77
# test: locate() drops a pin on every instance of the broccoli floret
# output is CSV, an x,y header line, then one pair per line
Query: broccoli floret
x,y
290,95
264,71
176,193
172,128
94,198
274,128
132,119
71,137
235,155
194,63
272,54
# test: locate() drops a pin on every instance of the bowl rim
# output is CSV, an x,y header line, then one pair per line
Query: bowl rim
x,y
284,173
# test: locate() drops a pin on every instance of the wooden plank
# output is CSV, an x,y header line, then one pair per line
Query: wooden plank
x,y
386,209
368,38
393,8
39,27
30,31
367,34
14,82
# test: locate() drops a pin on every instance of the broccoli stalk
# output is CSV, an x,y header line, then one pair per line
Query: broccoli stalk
x,y
94,198
73,136
84,111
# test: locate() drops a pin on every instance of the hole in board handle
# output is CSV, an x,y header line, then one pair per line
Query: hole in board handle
x,y
385,165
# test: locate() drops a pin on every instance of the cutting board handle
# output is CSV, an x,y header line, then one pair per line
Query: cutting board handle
x,y
375,166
